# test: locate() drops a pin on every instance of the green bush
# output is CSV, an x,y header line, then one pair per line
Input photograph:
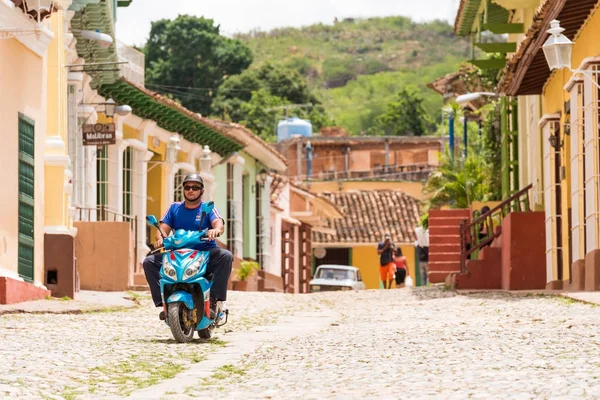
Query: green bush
x,y
246,269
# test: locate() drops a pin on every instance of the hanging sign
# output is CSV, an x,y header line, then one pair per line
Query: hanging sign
x,y
99,134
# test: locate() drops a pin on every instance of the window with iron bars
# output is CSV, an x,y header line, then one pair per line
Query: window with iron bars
x,y
102,181
127,183
230,209
178,186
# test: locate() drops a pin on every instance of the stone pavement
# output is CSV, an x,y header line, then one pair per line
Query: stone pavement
x,y
408,343
86,301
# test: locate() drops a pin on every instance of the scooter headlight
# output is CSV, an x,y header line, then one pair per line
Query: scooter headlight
x,y
193,269
169,270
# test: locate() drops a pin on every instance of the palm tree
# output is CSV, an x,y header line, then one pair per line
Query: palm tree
x,y
457,182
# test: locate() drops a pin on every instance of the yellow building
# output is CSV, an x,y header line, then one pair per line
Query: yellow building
x,y
366,216
27,40
565,129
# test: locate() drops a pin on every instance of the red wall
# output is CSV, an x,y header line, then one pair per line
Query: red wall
x,y
523,251
14,291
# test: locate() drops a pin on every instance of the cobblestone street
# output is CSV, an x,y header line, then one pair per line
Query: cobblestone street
x,y
405,343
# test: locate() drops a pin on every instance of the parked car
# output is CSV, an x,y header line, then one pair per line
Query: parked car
x,y
336,277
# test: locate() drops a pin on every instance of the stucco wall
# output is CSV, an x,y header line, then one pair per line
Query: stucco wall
x,y
23,90
105,255
586,45
56,202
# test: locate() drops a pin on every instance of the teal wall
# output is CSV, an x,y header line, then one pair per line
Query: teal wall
x,y
250,170
249,193
220,173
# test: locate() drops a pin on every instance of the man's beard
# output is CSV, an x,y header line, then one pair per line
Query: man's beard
x,y
193,200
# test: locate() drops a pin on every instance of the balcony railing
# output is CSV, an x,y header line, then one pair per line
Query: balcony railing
x,y
134,70
482,229
412,172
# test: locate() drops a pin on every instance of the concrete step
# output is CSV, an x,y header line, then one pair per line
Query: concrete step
x,y
444,230
446,221
484,273
436,256
443,240
457,212
139,288
449,266
438,276
444,248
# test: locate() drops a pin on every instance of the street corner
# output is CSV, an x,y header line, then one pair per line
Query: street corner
x,y
85,302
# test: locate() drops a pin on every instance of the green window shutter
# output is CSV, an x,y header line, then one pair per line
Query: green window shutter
x,y
26,172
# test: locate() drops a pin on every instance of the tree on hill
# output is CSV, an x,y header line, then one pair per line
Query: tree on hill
x,y
188,58
249,98
405,116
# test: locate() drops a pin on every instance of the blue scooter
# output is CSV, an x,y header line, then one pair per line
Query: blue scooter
x,y
184,285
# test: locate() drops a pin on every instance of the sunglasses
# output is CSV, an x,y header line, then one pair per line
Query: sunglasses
x,y
194,188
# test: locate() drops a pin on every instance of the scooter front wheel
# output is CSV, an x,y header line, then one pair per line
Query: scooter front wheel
x,y
206,333
180,322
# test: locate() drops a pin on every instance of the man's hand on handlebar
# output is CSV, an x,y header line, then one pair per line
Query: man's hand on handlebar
x,y
158,243
212,234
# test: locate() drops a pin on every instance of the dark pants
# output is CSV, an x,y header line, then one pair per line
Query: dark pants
x,y
219,266
400,276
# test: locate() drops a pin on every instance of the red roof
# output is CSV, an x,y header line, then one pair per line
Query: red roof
x,y
368,214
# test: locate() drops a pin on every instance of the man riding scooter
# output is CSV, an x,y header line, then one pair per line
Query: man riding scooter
x,y
187,215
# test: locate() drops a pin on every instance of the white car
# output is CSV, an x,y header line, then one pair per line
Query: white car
x,y
336,277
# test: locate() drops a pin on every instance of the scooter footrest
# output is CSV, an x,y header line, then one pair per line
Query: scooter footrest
x,y
226,319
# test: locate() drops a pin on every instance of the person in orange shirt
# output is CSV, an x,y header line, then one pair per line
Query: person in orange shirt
x,y
387,267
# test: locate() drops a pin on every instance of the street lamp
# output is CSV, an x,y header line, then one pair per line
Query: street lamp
x,y
205,160
555,142
558,49
173,148
465,98
110,107
262,176
102,39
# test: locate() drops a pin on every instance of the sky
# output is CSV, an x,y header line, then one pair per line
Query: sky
x,y
235,16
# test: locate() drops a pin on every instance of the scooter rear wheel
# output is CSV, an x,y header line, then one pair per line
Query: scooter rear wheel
x,y
180,323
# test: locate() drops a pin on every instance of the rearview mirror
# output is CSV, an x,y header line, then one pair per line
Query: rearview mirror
x,y
151,220
205,210
208,207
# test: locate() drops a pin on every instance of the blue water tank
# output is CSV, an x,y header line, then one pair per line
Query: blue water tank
x,y
286,128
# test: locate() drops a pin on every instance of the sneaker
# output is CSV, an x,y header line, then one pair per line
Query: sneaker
x,y
162,316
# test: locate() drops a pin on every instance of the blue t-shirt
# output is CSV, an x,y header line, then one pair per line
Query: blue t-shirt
x,y
180,217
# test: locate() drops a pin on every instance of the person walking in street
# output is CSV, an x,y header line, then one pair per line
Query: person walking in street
x,y
385,250
422,244
401,268
186,215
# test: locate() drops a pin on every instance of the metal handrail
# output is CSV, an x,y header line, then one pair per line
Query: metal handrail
x,y
469,232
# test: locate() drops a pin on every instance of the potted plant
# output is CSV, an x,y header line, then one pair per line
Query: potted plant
x,y
246,269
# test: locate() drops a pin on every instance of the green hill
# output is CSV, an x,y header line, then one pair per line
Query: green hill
x,y
358,65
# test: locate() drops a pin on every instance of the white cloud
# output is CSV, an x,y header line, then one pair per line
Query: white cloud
x,y
133,22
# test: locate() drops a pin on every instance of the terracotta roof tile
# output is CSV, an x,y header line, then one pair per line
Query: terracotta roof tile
x,y
514,62
277,185
369,214
178,107
526,71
